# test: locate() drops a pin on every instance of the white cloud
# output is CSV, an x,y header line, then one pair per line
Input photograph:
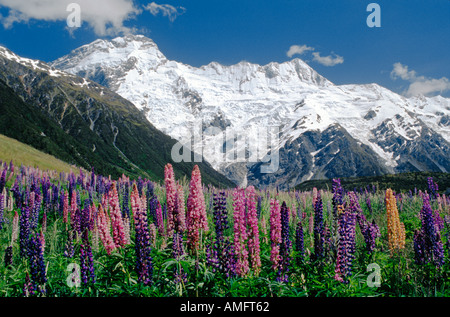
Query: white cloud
x,y
402,72
419,85
328,60
428,87
298,50
106,17
166,9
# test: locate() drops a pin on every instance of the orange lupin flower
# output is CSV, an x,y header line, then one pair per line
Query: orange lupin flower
x,y
396,229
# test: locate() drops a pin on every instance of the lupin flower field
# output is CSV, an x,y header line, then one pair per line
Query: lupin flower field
x,y
86,235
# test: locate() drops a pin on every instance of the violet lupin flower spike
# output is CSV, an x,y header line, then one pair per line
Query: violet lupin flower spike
x,y
36,261
285,246
347,238
427,241
299,242
319,230
144,265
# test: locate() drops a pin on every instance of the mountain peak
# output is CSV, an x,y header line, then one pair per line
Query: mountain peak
x,y
110,52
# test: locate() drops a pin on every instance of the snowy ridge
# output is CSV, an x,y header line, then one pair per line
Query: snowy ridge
x,y
246,96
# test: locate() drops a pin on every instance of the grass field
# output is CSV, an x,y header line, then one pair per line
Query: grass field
x,y
20,153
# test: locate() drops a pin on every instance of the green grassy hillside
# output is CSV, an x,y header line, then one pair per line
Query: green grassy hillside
x,y
20,153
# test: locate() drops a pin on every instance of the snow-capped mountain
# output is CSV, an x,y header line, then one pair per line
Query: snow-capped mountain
x,y
324,130
84,123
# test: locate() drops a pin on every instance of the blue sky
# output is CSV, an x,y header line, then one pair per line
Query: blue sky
x,y
409,53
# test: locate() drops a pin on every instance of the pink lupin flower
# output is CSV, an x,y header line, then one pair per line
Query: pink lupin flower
x,y
42,240
10,202
44,222
196,211
159,219
117,226
105,202
152,233
15,228
171,194
31,201
293,213
180,210
240,232
66,207
253,230
73,206
314,196
104,230
126,229
275,232
136,203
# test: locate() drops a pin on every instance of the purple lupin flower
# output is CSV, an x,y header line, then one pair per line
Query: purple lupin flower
x,y
432,188
259,206
3,180
24,231
299,242
285,246
369,204
439,222
420,256
87,263
69,249
319,230
28,286
46,199
370,231
427,241
2,205
346,248
220,215
35,208
62,197
55,197
86,258
125,200
144,265
152,207
221,252
36,261
338,194
17,194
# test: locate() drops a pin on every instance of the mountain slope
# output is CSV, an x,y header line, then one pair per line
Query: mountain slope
x,y
85,123
20,153
393,133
